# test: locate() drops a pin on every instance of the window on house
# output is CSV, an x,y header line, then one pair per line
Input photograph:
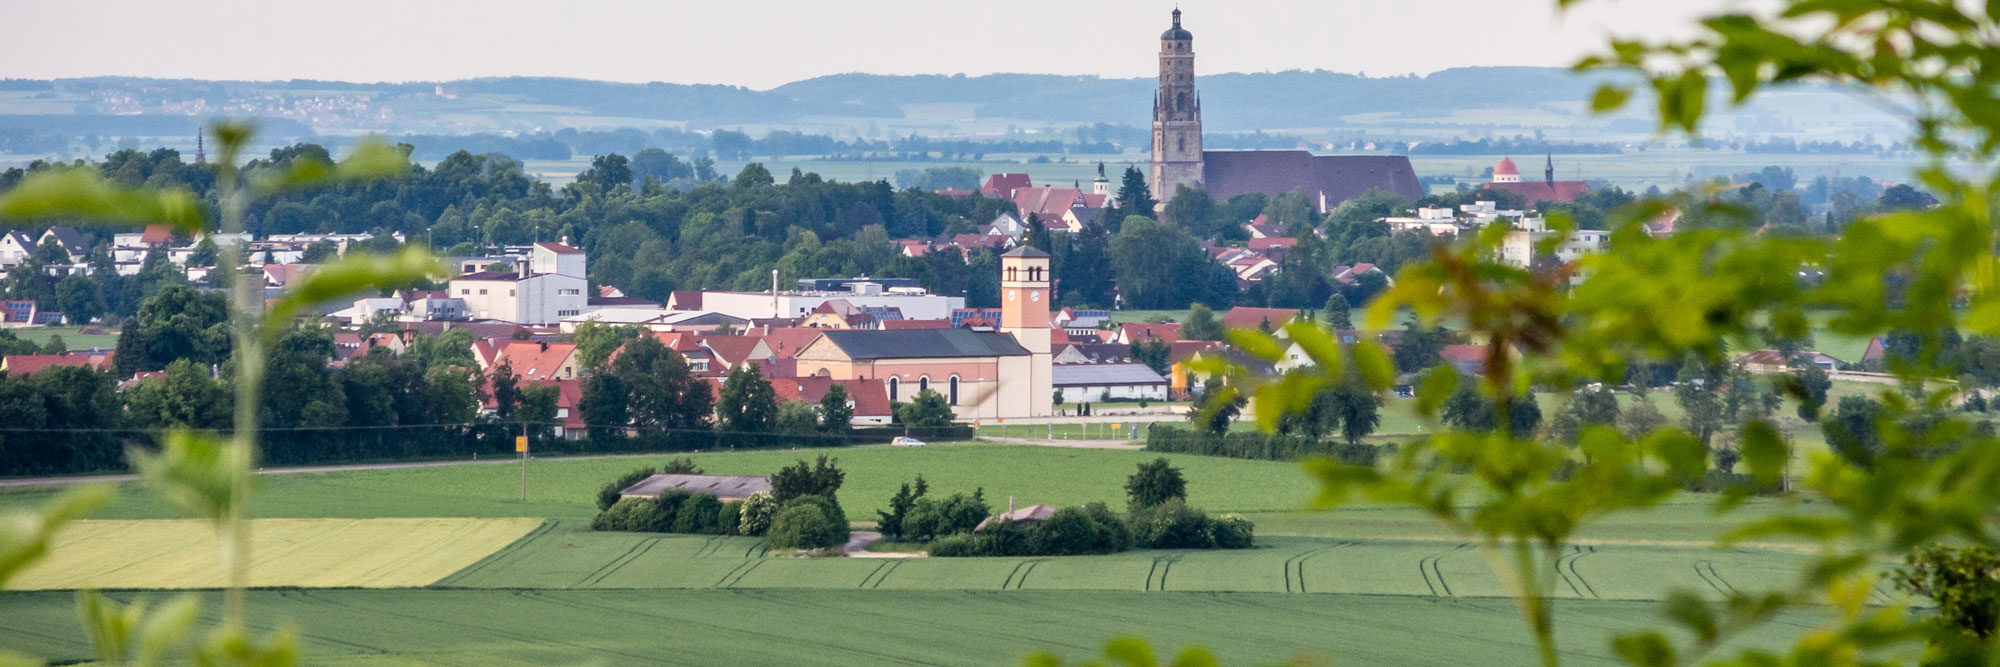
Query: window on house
x,y
893,385
463,291
566,313
482,292
953,388
510,292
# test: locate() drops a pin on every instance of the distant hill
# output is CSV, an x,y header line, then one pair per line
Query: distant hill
x,y
1232,102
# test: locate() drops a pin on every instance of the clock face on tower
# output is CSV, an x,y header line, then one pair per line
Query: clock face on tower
x,y
1013,295
1034,296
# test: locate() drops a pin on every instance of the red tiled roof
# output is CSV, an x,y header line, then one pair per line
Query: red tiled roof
x,y
1244,316
1540,191
870,398
731,350
559,248
1463,352
787,341
685,299
156,234
1049,204
1167,332
535,360
1270,242
28,364
1002,186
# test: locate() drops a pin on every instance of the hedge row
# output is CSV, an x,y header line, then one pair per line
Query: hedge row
x,y
1260,446
1095,529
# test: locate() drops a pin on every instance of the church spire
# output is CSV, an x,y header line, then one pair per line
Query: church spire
x,y
1549,173
200,149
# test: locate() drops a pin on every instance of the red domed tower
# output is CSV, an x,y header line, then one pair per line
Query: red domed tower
x,y
1506,172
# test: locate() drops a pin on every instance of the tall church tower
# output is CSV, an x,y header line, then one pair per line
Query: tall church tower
x,y
1176,117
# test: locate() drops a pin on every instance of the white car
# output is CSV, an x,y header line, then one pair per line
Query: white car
x,y
905,441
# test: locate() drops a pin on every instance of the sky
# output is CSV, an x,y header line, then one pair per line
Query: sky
x,y
761,44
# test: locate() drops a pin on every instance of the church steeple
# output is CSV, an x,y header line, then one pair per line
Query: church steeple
x,y
1549,173
1177,154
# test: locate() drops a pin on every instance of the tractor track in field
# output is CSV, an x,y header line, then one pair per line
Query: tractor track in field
x,y
1706,570
1434,576
1020,571
881,572
1162,566
616,564
752,552
1295,567
738,572
1566,568
773,637
538,533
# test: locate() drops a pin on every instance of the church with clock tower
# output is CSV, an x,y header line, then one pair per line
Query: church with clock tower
x,y
984,375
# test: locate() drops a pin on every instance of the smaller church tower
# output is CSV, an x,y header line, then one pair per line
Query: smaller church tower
x,y
1101,186
1024,314
1549,173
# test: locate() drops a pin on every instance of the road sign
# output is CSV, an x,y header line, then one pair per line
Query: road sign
x,y
521,443
1116,425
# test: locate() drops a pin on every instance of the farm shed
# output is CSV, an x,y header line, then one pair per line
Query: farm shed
x,y
1099,382
723,487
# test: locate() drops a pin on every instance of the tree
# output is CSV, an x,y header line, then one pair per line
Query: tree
x,y
890,523
505,388
1357,406
1588,406
605,406
1217,411
1420,347
663,391
1156,482
748,404
1641,419
1337,313
928,409
1702,411
538,408
1201,324
808,522
1134,198
835,414
1810,383
796,417
595,341
176,323
1964,583
1853,432
80,299
1153,352
205,252
185,397
319,252
821,477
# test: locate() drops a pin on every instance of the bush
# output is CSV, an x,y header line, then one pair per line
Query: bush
x,y
1005,538
1121,532
1155,483
608,496
931,517
1258,446
1071,531
956,546
699,516
730,519
681,466
670,502
1232,531
758,510
1171,525
639,515
808,522
820,478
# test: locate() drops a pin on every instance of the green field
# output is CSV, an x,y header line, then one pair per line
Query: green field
x,y
1368,584
71,339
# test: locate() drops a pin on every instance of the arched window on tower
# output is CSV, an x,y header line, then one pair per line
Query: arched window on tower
x,y
1012,273
1182,140
954,390
923,384
1180,102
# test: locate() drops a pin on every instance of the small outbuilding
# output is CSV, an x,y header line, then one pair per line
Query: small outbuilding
x,y
724,487
1101,382
1025,515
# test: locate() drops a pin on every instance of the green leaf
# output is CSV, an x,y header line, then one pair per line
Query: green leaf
x,y
80,193
1647,650
1317,343
1439,385
1339,481
166,629
1131,651
1692,612
25,534
353,273
194,472
371,160
1257,343
1375,365
1609,97
1682,453
1195,656
1764,452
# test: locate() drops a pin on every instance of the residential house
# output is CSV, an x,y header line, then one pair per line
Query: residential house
x,y
1134,332
549,288
19,365
868,398
1089,383
14,248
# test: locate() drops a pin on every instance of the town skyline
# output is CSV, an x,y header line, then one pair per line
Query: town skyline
x,y
635,42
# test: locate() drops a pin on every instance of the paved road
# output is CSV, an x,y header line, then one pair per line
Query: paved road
x,y
1073,444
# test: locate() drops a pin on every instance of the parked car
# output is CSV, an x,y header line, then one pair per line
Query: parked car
x,y
906,441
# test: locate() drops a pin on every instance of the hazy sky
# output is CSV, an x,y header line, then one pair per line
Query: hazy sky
x,y
765,43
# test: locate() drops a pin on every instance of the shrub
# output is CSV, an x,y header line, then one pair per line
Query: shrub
x,y
681,466
608,496
808,522
1171,525
670,502
956,546
932,517
729,521
1005,538
630,515
1257,446
699,515
822,478
1121,532
758,510
1071,531
1231,531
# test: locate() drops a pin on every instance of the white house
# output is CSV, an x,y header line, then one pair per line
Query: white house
x,y
549,288
14,248
1099,382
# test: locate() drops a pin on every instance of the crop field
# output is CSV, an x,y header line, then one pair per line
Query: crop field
x,y
70,336
874,627
1366,584
360,553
